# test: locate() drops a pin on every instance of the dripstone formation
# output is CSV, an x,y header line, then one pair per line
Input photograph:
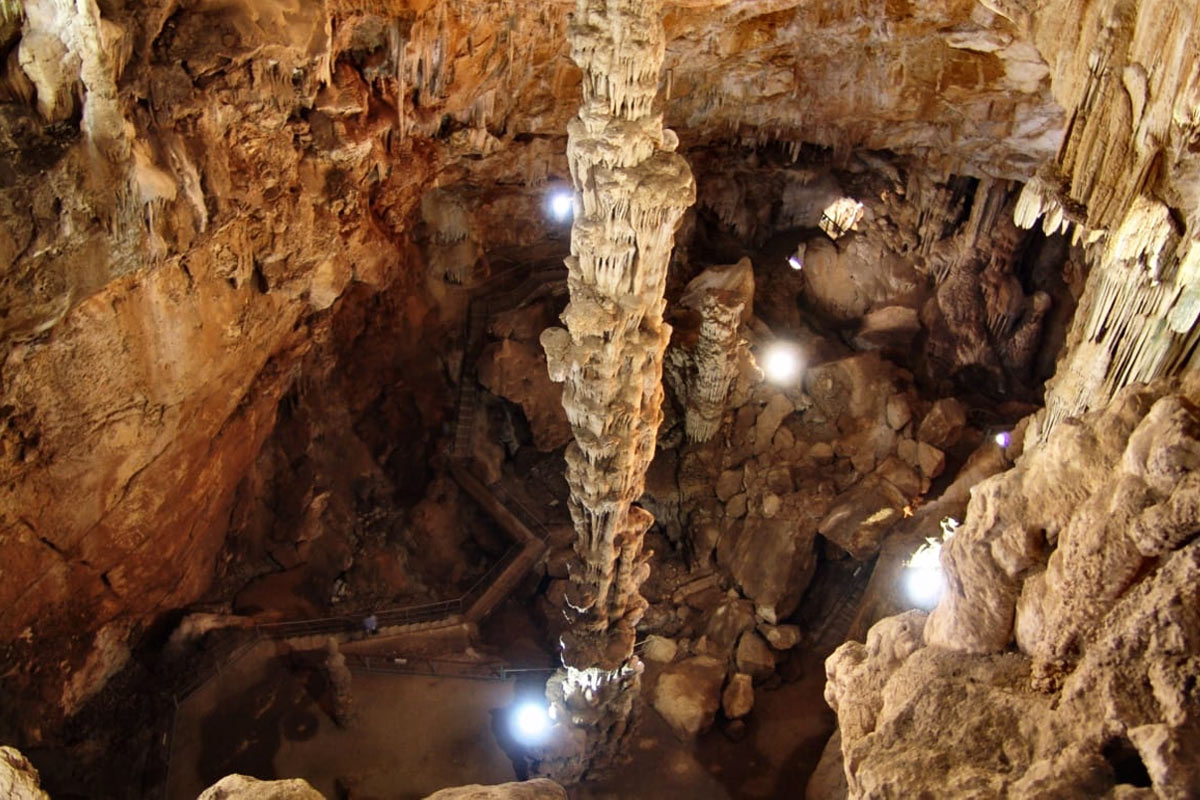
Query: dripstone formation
x,y
631,190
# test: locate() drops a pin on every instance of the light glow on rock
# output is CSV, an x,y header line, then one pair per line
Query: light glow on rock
x,y
781,363
561,205
923,578
1004,438
530,723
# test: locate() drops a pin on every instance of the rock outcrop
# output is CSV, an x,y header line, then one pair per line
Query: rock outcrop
x,y
243,787
1071,587
631,189
19,780
1125,183
537,789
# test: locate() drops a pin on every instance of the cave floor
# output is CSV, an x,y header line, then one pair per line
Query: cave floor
x,y
413,734
784,737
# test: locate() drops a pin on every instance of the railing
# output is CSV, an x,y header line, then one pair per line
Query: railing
x,y
348,623
442,667
523,513
231,650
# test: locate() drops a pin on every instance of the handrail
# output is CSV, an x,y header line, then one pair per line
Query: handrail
x,y
441,609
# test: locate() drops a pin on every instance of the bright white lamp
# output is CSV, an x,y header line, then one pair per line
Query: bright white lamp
x,y
530,723
781,362
561,205
923,578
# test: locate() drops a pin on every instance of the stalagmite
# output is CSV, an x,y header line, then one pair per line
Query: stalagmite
x,y
631,190
703,360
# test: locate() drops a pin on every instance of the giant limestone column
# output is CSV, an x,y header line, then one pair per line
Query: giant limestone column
x,y
631,190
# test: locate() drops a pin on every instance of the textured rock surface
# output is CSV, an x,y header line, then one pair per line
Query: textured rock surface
x,y
707,344
1126,182
631,190
18,778
738,698
537,789
516,371
243,787
1084,557
688,694
211,213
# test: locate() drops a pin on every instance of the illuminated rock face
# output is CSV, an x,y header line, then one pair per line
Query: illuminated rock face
x,y
1065,646
631,190
1126,182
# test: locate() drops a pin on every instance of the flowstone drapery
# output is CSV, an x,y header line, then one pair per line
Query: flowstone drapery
x,y
631,191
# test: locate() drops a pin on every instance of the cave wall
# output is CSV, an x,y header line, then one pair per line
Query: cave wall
x,y
190,189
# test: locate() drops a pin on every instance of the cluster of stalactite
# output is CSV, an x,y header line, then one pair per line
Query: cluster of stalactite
x,y
631,191
1124,183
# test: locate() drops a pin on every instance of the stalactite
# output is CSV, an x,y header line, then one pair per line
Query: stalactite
x,y
631,191
1120,179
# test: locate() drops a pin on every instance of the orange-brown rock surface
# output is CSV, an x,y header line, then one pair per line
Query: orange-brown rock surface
x,y
207,208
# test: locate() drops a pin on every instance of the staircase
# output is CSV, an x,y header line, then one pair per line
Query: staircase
x,y
842,611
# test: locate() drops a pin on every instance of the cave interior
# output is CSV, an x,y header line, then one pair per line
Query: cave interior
x,y
795,399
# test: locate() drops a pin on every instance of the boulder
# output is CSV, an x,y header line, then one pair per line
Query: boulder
x,y
517,372
858,386
780,637
19,779
888,328
944,424
659,649
688,694
738,697
728,622
772,561
899,412
729,484
536,789
736,507
772,415
930,459
861,515
821,452
901,475
754,657
243,787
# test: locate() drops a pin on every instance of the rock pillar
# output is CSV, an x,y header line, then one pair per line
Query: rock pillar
x,y
631,191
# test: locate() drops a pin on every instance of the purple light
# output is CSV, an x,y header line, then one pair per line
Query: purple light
x,y
1004,439
795,262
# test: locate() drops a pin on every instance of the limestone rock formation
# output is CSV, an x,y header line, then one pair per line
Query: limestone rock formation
x,y
1083,558
688,694
1125,181
738,698
243,787
19,779
341,684
707,345
516,371
630,191
537,789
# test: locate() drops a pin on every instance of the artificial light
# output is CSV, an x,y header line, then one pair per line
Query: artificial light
x,y
530,722
561,205
781,362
